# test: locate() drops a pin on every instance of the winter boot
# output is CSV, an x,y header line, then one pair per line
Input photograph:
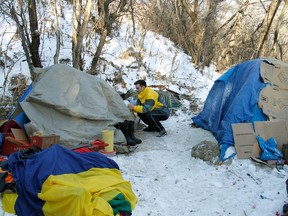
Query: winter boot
x,y
124,127
131,132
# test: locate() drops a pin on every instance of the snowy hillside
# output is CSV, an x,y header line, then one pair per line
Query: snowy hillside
x,y
125,58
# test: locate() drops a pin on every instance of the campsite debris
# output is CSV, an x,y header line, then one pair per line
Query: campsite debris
x,y
285,153
263,197
123,148
18,140
45,141
206,151
46,167
285,209
95,145
278,164
193,125
257,181
260,162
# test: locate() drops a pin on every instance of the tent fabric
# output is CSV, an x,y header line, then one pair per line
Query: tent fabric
x,y
30,174
73,104
232,99
87,193
17,119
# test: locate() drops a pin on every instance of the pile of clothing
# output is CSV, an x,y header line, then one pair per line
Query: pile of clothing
x,y
59,181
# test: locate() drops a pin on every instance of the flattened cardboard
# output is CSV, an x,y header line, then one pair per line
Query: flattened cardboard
x,y
274,102
276,129
245,141
275,72
19,134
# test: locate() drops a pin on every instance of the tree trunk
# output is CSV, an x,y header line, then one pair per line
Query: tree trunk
x,y
98,51
273,51
79,30
181,35
233,36
196,37
76,57
192,14
57,31
24,40
105,21
35,36
206,48
266,25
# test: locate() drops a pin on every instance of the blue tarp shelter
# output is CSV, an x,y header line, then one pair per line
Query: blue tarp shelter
x,y
232,99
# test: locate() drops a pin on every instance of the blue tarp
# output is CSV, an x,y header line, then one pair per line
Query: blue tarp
x,y
30,174
21,117
232,99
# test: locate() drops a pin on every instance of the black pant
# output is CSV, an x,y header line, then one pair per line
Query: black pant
x,y
153,118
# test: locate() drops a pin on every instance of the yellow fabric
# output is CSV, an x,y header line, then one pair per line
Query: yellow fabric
x,y
8,202
86,193
147,94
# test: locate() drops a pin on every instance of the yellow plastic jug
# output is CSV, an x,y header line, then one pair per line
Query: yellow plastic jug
x,y
108,137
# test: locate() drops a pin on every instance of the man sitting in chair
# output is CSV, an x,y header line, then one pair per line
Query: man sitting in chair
x,y
150,108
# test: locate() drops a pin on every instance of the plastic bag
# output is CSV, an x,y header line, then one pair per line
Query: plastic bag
x,y
269,150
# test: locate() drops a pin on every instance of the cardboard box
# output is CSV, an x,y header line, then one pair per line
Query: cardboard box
x,y
245,141
45,141
275,72
8,147
274,102
20,141
273,99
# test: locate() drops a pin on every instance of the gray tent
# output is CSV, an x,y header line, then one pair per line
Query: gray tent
x,y
74,105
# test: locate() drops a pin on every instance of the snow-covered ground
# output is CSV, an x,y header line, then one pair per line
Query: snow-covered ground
x,y
164,176
168,181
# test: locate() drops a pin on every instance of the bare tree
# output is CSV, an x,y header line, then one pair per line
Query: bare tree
x,y
79,30
16,10
57,30
107,17
35,35
231,37
206,49
265,28
276,50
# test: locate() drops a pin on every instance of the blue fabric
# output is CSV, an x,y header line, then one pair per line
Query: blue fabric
x,y
232,99
21,119
27,91
30,174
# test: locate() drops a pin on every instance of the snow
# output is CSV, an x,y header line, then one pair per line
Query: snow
x,y
164,176
168,181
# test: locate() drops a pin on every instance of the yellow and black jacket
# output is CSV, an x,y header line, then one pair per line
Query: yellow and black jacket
x,y
149,100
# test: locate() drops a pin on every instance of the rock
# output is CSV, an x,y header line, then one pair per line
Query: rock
x,y
206,151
